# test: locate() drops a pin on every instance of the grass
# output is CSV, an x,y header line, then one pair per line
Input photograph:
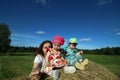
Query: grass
x,y
16,66
112,63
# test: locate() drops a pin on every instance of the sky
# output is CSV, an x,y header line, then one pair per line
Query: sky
x,y
95,23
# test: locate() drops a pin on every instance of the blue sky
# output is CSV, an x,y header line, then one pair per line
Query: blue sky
x,y
95,23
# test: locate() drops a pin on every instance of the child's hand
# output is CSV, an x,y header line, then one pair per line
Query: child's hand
x,y
74,53
80,52
67,54
47,64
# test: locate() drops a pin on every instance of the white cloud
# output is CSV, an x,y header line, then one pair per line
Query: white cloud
x,y
87,46
85,40
118,33
117,29
25,42
37,1
104,2
22,35
22,39
40,32
43,2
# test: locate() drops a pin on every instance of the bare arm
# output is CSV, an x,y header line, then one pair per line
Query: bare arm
x,y
46,58
35,69
35,74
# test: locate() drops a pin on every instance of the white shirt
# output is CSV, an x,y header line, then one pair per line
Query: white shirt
x,y
40,60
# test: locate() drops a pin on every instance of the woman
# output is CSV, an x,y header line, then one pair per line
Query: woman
x,y
39,61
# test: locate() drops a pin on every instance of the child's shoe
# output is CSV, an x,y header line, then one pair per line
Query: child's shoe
x,y
79,66
69,69
85,62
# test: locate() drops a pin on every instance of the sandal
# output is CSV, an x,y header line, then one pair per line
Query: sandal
x,y
85,62
79,66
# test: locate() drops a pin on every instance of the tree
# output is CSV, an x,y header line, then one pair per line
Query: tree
x,y
4,37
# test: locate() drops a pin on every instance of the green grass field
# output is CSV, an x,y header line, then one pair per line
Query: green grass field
x,y
16,66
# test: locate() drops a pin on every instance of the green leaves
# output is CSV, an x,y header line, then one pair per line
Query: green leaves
x,y
4,37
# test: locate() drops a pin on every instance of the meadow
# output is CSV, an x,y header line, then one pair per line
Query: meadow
x,y
16,66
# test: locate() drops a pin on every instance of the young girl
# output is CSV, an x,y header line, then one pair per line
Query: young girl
x,y
39,62
53,57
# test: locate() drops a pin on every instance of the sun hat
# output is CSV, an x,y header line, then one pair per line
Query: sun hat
x,y
58,39
72,40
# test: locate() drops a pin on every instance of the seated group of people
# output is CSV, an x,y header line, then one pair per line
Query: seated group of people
x,y
50,57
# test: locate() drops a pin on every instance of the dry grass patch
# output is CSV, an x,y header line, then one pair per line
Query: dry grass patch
x,y
93,71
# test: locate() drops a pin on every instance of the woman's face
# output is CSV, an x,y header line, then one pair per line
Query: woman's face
x,y
45,47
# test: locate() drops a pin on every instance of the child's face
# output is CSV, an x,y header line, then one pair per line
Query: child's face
x,y
72,45
56,46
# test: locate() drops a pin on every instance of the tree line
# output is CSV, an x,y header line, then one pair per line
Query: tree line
x,y
6,48
104,51
29,50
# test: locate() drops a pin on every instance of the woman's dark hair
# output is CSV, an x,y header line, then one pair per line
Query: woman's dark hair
x,y
40,49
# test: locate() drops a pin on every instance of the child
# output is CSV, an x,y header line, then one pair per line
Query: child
x,y
73,55
53,57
